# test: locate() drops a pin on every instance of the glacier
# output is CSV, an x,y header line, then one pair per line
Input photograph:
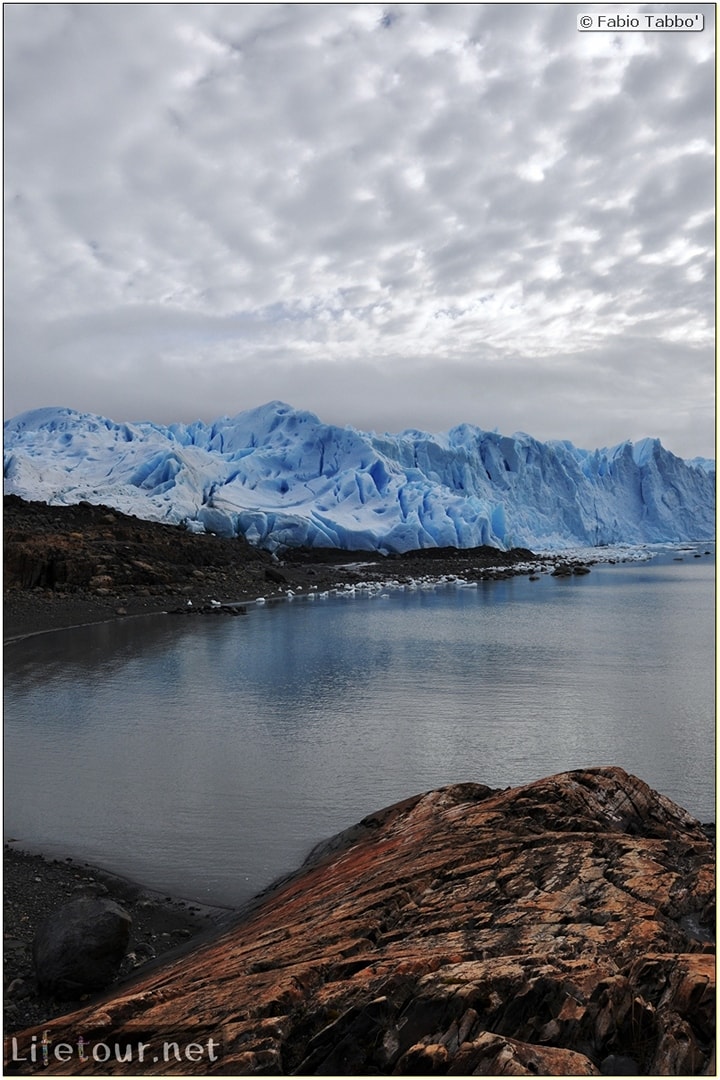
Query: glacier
x,y
281,477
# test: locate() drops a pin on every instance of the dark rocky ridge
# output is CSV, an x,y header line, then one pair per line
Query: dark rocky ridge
x,y
65,565
560,928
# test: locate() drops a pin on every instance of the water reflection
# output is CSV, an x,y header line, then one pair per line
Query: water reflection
x,y
205,756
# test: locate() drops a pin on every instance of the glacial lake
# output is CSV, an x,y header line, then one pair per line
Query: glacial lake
x,y
205,756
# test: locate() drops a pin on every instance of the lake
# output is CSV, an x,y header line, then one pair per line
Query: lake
x,y
204,756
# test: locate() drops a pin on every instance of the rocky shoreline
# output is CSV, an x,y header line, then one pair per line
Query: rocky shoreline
x,y
560,928
69,565
564,928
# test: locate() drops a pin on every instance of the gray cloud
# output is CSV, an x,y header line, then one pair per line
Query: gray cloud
x,y
412,215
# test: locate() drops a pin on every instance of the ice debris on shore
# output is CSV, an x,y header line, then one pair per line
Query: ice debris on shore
x,y
281,477
578,560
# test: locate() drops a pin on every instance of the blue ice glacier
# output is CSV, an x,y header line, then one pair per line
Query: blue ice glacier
x,y
281,477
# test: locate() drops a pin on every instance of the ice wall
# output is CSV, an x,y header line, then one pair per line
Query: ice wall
x,y
280,477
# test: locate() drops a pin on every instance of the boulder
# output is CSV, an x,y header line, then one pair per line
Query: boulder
x,y
558,928
80,946
276,576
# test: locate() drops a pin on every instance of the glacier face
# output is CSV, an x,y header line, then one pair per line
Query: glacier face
x,y
281,477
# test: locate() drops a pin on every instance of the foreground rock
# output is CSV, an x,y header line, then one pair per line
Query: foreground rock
x,y
34,886
561,928
80,946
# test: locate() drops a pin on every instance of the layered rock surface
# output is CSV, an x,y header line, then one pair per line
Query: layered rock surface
x,y
560,928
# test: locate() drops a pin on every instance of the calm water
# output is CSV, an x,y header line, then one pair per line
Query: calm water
x,y
206,756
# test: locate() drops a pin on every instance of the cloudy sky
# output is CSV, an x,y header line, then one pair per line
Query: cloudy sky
x,y
396,216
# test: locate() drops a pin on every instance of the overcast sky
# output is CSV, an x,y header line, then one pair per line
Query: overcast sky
x,y
395,216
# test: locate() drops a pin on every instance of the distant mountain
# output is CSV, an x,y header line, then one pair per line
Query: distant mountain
x,y
281,477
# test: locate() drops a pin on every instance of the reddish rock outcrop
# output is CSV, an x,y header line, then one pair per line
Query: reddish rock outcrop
x,y
561,928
